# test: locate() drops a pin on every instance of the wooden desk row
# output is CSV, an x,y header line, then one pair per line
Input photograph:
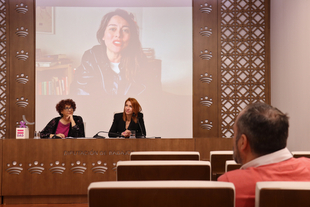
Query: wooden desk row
x,y
60,171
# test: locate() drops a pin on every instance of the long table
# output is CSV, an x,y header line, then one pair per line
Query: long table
x,y
59,171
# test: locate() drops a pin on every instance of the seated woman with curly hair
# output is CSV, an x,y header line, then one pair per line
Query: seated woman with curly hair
x,y
67,125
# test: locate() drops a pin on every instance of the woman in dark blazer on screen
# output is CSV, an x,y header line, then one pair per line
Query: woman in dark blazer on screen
x,y
131,119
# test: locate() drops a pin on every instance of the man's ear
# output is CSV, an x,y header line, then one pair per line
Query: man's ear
x,y
243,142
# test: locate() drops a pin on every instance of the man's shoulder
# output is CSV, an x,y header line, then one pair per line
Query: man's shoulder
x,y
303,159
253,171
234,174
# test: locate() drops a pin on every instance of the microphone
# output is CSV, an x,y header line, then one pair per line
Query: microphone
x,y
102,137
98,136
143,136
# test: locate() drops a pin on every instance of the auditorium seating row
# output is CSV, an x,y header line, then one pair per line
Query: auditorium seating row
x,y
220,161
181,179
194,194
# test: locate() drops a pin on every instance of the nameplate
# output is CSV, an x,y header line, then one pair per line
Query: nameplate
x,y
22,133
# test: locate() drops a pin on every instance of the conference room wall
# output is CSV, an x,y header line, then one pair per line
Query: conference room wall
x,y
200,90
290,64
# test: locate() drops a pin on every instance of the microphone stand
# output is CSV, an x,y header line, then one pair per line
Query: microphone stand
x,y
143,136
98,136
102,137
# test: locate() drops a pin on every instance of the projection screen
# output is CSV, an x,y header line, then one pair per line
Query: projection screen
x,y
66,33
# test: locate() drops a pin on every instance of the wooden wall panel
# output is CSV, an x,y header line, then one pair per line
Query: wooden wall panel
x,y
244,63
205,145
205,69
1,167
231,62
21,62
4,86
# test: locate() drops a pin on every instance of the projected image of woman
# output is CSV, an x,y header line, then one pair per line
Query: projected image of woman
x,y
67,125
114,67
131,119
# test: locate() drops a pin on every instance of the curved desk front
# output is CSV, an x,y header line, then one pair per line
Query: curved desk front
x,y
60,171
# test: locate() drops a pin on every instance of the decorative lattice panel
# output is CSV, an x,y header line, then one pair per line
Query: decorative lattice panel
x,y
244,78
3,69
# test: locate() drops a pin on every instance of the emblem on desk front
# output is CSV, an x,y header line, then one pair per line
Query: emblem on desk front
x,y
78,167
36,168
99,167
57,168
114,166
14,168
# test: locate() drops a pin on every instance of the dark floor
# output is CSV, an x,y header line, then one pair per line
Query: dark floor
x,y
46,205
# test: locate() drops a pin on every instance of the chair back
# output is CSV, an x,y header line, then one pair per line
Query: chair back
x,y
284,194
161,193
162,170
231,165
164,155
218,162
298,154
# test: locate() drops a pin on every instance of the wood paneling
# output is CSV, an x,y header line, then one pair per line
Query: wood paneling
x,y
20,64
205,145
47,170
60,200
206,106
231,62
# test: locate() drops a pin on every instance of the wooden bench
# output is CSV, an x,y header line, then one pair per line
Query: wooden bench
x,y
161,193
163,170
165,155
284,194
